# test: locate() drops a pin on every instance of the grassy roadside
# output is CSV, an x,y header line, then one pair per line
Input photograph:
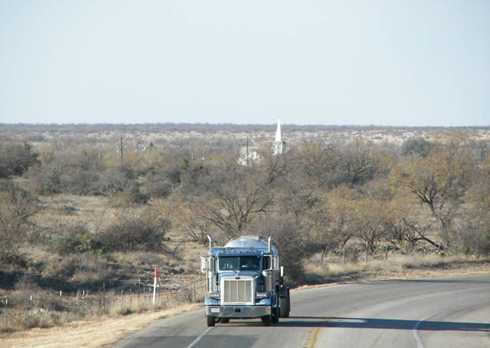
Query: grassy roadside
x,y
89,334
102,332
336,271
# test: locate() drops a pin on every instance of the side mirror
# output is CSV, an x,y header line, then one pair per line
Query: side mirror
x,y
267,262
204,264
212,264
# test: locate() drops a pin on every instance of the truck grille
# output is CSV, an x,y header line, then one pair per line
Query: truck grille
x,y
236,291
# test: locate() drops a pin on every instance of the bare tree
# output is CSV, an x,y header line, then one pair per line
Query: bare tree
x,y
16,158
439,182
235,196
16,208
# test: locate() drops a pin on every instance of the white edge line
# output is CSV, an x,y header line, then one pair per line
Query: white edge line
x,y
198,338
416,334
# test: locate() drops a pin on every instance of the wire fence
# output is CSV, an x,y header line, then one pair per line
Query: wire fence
x,y
24,309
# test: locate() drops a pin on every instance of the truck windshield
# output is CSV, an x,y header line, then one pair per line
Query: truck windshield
x,y
239,263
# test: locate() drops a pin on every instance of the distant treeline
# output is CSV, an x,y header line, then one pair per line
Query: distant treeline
x,y
53,128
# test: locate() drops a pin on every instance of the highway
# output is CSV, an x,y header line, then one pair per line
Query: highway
x,y
439,312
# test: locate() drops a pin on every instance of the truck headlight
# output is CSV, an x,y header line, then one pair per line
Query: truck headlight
x,y
266,301
261,295
213,294
210,301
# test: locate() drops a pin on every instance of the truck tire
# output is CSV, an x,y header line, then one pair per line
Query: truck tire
x,y
275,315
210,321
266,320
285,305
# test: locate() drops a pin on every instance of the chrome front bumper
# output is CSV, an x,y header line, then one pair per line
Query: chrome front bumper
x,y
238,312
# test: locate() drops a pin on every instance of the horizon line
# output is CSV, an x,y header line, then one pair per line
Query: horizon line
x,y
234,124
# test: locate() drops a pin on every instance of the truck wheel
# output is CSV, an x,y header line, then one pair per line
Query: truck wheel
x,y
266,320
285,305
275,315
210,321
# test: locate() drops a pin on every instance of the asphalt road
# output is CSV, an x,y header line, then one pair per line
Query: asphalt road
x,y
449,312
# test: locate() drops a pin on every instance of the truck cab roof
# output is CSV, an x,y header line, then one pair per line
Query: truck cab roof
x,y
246,246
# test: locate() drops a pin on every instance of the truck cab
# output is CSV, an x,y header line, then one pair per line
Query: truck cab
x,y
244,280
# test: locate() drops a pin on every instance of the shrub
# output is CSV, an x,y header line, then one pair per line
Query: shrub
x,y
137,196
40,318
127,199
17,206
72,239
158,184
88,270
114,180
416,146
15,159
71,171
46,179
132,233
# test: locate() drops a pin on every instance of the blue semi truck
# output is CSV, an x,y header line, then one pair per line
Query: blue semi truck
x,y
244,280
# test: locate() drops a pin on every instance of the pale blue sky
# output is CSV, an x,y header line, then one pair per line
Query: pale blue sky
x,y
306,62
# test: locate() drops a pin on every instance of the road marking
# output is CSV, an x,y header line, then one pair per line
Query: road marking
x,y
198,338
316,331
312,337
415,334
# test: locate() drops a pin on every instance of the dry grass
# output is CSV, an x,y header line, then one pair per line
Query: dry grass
x,y
335,270
42,309
93,211
89,333
178,264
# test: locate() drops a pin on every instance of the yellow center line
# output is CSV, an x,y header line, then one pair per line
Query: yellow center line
x,y
312,337
315,333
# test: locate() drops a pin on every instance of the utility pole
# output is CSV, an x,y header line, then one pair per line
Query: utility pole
x,y
247,151
121,151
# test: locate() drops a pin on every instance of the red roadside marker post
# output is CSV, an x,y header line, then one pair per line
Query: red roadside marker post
x,y
156,274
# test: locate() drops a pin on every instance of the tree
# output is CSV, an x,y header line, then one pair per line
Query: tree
x,y
329,223
17,206
182,215
235,195
15,159
416,146
474,230
439,181
408,224
318,162
361,162
289,238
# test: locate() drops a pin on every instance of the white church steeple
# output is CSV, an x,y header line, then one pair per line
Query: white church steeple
x,y
278,132
278,147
